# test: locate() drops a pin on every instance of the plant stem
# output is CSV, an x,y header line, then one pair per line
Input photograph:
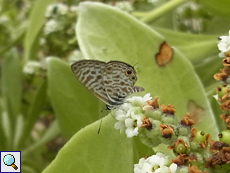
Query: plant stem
x,y
50,134
156,13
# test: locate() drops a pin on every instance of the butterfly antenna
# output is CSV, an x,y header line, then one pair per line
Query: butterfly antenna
x,y
99,129
135,64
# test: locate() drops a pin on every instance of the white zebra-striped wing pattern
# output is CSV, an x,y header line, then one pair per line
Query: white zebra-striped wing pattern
x,y
111,82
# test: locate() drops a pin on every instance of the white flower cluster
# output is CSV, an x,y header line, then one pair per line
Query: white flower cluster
x,y
154,164
51,26
31,67
61,9
124,6
129,116
224,45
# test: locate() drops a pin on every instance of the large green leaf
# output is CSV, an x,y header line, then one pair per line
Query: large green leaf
x,y
108,34
74,105
88,151
113,35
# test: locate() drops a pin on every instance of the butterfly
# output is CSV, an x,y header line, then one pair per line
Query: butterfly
x,y
111,82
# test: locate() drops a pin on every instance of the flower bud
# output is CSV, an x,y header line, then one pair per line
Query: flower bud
x,y
225,136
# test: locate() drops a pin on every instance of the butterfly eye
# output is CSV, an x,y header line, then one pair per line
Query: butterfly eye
x,y
133,78
128,72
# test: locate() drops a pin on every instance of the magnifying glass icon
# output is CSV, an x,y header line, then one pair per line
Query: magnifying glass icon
x,y
9,160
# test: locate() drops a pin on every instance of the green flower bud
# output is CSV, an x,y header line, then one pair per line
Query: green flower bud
x,y
184,131
137,110
154,114
169,119
182,169
200,136
151,137
221,91
169,141
194,145
225,136
181,148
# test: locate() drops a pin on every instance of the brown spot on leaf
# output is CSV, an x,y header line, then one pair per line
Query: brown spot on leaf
x,y
165,54
195,111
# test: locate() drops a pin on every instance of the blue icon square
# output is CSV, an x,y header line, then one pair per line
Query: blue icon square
x,y
10,161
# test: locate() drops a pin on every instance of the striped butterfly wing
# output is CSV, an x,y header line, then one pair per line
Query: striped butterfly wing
x,y
90,74
119,79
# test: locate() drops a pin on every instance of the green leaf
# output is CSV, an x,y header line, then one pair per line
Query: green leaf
x,y
38,99
219,8
87,151
219,26
11,90
207,68
36,21
113,35
108,34
19,35
73,104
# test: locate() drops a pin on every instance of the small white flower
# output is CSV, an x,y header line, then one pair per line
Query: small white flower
x,y
130,115
51,26
124,6
154,164
224,45
62,9
128,121
52,9
120,126
121,115
49,10
31,67
42,41
139,99
132,124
